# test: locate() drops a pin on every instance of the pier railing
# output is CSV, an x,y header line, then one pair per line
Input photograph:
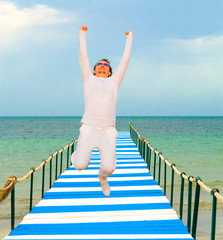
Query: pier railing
x,y
154,158
59,162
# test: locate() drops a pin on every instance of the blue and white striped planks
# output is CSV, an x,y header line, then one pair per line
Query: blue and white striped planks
x,y
75,207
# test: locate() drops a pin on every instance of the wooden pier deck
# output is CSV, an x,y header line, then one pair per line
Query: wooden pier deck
x,y
75,207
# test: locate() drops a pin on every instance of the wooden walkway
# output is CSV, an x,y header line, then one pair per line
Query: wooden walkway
x,y
75,207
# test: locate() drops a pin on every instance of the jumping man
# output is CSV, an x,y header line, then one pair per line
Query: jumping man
x,y
98,122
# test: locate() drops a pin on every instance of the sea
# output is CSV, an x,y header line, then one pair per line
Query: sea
x,y
193,144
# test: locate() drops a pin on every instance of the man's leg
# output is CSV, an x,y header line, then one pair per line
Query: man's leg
x,y
107,149
81,157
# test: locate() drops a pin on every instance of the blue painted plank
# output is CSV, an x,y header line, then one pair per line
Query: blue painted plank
x,y
135,227
113,175
117,163
120,156
116,194
117,167
112,184
61,238
100,208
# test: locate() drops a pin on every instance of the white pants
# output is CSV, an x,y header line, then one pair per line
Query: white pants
x,y
104,139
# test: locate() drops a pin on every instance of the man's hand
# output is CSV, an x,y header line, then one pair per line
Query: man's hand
x,y
84,28
127,33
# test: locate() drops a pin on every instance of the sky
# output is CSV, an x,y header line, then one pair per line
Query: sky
x,y
175,67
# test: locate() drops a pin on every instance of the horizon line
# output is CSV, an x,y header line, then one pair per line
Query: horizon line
x,y
118,116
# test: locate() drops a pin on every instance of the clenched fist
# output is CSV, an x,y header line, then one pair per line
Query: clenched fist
x,y
127,33
84,28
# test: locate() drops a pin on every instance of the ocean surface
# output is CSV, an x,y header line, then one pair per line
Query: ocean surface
x,y
194,144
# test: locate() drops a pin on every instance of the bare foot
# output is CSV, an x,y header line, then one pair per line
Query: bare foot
x,y
104,185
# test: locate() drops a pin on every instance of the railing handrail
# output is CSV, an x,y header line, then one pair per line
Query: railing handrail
x,y
12,180
191,179
9,186
145,150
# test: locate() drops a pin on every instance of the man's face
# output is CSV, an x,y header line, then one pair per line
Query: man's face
x,y
102,69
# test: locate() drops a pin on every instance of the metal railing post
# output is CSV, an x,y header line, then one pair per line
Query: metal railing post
x,y
61,161
196,207
181,195
146,154
149,160
164,188
143,149
159,172
68,156
50,176
172,185
56,166
140,147
154,166
72,148
13,208
214,211
189,203
135,137
31,190
43,179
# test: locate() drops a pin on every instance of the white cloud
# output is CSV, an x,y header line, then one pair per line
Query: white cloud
x,y
13,17
15,20
178,70
203,45
197,61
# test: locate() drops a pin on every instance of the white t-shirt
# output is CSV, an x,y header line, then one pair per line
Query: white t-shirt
x,y
100,94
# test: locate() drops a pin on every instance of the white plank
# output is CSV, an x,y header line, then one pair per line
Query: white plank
x,y
120,153
120,160
101,201
127,144
110,179
91,217
86,189
120,165
95,171
104,236
121,149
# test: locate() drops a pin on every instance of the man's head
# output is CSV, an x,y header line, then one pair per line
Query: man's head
x,y
102,68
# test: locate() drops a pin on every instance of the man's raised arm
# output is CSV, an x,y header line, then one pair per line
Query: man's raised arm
x,y
120,72
83,56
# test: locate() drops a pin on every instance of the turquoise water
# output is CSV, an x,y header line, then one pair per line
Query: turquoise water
x,y
194,144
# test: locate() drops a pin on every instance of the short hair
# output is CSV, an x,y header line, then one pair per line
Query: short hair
x,y
106,60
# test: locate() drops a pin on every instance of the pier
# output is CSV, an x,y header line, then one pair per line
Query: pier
x,y
75,207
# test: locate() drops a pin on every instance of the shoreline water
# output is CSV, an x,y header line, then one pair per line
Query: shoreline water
x,y
34,139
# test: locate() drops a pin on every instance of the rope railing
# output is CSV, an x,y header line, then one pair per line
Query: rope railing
x,y
146,150
12,180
